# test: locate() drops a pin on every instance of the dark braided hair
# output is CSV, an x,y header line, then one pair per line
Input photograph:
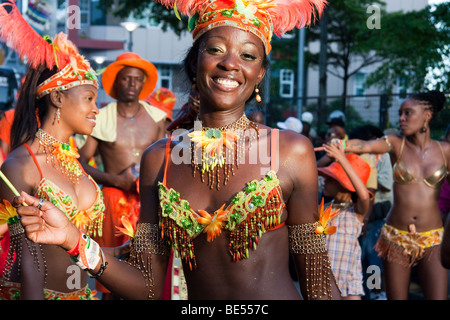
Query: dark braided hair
x,y
435,99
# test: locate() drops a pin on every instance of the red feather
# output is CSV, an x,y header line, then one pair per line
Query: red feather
x,y
285,14
22,38
289,14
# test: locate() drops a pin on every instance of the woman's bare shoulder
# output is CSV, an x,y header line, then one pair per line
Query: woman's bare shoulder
x,y
20,161
292,143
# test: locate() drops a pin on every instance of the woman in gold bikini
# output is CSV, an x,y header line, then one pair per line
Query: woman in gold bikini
x,y
414,228
230,197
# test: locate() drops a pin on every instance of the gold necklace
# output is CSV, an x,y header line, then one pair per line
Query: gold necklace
x,y
223,147
61,155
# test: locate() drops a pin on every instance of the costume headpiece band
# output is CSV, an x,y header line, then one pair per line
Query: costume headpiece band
x,y
73,68
261,17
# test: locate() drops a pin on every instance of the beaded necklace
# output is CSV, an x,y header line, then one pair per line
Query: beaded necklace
x,y
223,147
61,155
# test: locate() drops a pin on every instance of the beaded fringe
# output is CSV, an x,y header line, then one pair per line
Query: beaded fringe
x,y
304,241
211,167
16,233
147,242
393,252
243,236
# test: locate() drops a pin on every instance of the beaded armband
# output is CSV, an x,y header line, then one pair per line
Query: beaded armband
x,y
15,250
147,241
304,240
385,138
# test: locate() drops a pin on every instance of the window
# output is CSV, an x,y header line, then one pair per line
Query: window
x,y
98,16
165,76
286,83
402,87
85,17
360,84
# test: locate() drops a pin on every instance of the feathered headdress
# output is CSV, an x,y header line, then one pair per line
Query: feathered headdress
x,y
73,68
261,17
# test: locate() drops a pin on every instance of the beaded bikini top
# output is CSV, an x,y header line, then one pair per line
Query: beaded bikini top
x,y
252,211
89,220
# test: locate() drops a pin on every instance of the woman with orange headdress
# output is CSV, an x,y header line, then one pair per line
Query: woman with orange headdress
x,y
230,197
57,100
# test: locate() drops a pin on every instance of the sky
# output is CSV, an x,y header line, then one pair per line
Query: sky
x,y
436,1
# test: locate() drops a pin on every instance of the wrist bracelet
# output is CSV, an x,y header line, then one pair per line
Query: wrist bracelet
x,y
102,268
75,250
88,256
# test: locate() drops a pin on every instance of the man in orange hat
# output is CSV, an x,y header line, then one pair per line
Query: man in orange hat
x,y
124,129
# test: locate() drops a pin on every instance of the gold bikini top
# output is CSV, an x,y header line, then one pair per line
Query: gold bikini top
x,y
403,176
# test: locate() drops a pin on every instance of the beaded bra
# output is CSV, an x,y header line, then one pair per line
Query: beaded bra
x,y
90,220
252,211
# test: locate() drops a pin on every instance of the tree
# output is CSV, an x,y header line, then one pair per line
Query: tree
x,y
425,48
349,42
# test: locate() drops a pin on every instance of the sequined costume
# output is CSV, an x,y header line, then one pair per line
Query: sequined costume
x,y
253,211
89,220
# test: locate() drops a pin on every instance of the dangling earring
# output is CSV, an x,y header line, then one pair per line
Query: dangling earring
x,y
194,84
424,128
57,115
257,97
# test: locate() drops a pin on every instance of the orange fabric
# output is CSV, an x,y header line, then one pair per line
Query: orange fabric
x,y
166,160
130,59
335,171
219,13
12,291
5,125
67,78
117,204
34,159
163,99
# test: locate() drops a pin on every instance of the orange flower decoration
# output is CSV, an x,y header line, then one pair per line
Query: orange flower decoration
x,y
213,223
212,140
67,156
128,229
7,213
324,217
65,151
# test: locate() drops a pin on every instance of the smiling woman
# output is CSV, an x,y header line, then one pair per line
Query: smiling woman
x,y
57,100
233,214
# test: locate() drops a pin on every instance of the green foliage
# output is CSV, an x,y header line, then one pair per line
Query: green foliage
x,y
348,36
411,44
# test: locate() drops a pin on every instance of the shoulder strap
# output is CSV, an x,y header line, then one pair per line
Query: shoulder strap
x,y
166,159
274,150
34,159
